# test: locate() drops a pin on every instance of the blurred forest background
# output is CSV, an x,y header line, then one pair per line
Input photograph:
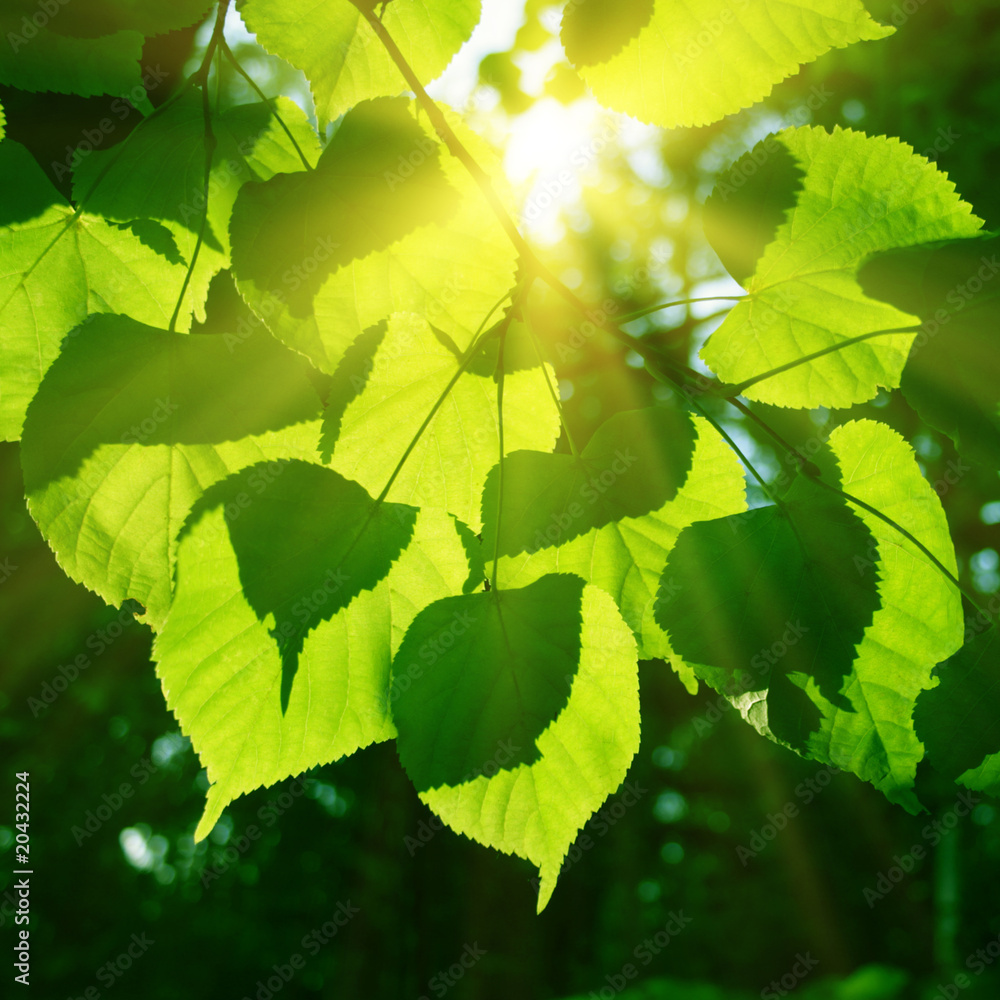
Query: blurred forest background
x,y
690,838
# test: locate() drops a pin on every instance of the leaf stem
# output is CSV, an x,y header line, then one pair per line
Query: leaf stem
x,y
231,56
655,363
113,157
909,536
670,380
740,387
445,132
211,143
803,463
648,310
500,381
552,392
462,368
474,349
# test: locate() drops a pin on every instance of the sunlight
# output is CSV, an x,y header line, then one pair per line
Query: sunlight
x,y
549,151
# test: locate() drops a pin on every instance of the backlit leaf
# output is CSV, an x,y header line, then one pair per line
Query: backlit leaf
x,y
535,809
129,428
858,195
222,669
340,53
56,267
695,61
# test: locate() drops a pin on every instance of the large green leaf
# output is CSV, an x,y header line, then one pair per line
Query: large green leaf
x,y
341,55
56,267
402,381
766,600
693,62
864,725
105,17
132,424
858,195
626,557
533,808
595,30
952,376
633,464
222,669
959,718
37,59
388,222
918,624
503,664
159,174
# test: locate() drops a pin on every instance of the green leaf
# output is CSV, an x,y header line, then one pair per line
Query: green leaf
x,y
918,624
749,204
952,375
859,195
635,463
341,55
128,429
696,61
222,670
768,599
56,267
399,385
37,59
595,30
105,17
535,809
501,669
626,557
313,571
388,222
159,173
959,719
